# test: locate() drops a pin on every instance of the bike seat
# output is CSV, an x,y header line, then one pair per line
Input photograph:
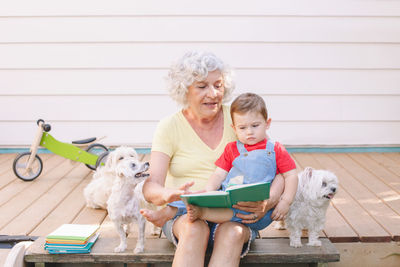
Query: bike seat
x,y
84,141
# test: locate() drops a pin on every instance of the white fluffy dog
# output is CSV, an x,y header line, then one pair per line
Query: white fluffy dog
x,y
126,196
98,190
315,189
117,187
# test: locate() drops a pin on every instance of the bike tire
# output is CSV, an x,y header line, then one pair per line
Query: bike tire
x,y
101,160
96,149
18,166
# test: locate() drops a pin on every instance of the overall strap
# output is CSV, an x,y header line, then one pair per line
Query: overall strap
x,y
240,147
270,145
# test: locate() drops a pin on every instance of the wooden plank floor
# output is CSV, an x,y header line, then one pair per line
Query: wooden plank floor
x,y
366,207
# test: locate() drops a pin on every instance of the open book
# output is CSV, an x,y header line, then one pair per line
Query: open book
x,y
234,194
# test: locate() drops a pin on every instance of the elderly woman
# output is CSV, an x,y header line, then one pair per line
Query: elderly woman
x,y
184,149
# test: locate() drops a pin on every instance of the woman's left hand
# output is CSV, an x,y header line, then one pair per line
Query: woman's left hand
x,y
257,209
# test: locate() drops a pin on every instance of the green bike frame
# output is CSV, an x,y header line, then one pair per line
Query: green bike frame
x,y
66,150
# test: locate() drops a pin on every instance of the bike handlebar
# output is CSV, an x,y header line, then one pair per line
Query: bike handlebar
x,y
45,127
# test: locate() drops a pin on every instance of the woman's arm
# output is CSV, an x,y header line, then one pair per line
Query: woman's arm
x,y
154,189
259,208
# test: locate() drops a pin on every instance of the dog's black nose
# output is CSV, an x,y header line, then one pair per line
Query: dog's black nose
x,y
333,189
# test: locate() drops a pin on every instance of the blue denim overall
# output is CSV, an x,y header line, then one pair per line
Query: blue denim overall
x,y
255,166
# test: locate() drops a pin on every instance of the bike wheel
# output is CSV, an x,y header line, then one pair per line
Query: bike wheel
x,y
19,167
96,149
101,160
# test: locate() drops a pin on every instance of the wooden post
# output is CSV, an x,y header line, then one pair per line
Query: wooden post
x,y
35,145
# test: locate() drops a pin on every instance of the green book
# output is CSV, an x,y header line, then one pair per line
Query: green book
x,y
76,232
234,194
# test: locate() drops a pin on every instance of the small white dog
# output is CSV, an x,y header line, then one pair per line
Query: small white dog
x,y
98,190
126,196
117,186
315,189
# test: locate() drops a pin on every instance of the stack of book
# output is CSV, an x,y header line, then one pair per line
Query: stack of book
x,y
72,238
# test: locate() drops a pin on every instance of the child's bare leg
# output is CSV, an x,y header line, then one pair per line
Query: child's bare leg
x,y
216,215
159,217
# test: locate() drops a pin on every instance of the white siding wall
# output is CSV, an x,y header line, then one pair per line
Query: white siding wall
x,y
328,70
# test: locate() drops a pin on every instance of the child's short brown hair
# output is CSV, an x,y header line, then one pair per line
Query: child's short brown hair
x,y
249,102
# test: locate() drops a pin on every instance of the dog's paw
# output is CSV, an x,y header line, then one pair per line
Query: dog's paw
x,y
91,205
138,249
314,243
96,206
120,248
156,231
295,243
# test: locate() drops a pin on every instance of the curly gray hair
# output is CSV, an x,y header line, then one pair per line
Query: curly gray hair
x,y
194,66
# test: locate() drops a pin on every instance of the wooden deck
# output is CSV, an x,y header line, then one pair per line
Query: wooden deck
x,y
366,208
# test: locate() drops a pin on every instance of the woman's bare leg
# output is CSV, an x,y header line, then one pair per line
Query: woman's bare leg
x,y
228,244
192,244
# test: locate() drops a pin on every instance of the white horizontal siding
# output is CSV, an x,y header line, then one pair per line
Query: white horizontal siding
x,y
206,7
196,29
239,55
329,71
147,108
353,119
151,82
334,133
139,133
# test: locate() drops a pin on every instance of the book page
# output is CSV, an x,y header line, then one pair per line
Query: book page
x,y
242,186
212,199
209,193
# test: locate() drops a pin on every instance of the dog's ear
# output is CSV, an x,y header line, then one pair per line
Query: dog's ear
x,y
110,161
308,172
135,153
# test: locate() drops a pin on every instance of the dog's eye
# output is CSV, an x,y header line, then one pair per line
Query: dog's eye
x,y
133,165
323,184
121,158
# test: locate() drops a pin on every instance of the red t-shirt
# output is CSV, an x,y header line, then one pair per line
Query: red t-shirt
x,y
284,161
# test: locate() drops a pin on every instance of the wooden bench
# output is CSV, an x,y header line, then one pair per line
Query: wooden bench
x,y
160,251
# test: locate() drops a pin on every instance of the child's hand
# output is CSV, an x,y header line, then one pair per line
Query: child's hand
x,y
280,210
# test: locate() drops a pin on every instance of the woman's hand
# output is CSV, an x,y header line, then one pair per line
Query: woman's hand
x,y
257,209
171,195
